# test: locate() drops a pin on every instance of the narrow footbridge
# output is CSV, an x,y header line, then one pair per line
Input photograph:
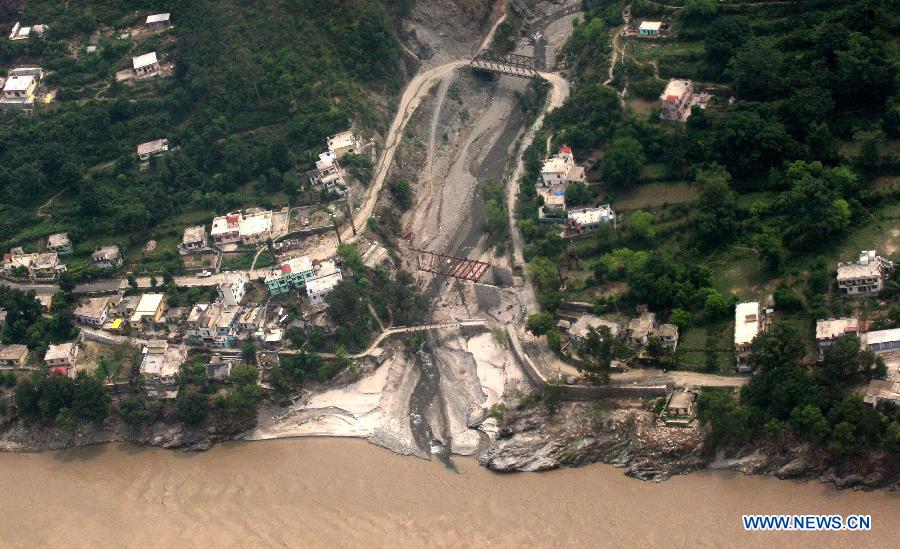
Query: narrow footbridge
x,y
472,323
509,64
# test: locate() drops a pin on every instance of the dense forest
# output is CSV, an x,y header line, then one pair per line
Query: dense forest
x,y
790,168
256,88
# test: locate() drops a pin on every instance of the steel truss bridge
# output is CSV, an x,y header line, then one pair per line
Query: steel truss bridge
x,y
509,64
450,265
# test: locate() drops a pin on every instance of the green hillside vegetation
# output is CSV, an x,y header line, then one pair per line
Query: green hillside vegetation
x,y
257,86
757,197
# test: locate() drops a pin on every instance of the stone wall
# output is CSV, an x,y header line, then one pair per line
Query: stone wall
x,y
580,392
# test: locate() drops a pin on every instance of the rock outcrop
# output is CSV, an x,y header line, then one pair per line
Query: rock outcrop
x,y
630,436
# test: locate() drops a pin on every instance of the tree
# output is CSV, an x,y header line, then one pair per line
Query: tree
x,y
723,37
787,299
248,352
192,407
243,374
134,411
402,192
749,141
779,346
681,318
655,349
544,273
105,369
729,419
771,250
717,306
846,361
65,421
66,282
641,224
596,353
540,323
714,220
577,194
809,421
622,163
90,400
756,71
870,144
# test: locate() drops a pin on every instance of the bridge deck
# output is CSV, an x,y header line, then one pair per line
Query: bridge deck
x,y
509,64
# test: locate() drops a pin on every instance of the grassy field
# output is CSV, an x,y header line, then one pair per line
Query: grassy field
x,y
654,195
739,272
882,233
692,345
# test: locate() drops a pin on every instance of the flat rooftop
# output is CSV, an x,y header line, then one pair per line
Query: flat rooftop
x,y
833,328
746,322
18,83
675,89
144,60
854,271
93,307
158,18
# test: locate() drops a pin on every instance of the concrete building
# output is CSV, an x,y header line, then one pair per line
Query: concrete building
x,y
159,21
18,32
43,267
46,301
232,288
145,65
588,220
107,257
327,174
676,100
226,228
152,148
255,228
212,325
561,168
93,312
193,240
60,359
882,390
865,277
161,364
579,331
46,267
668,336
219,368
13,357
291,274
641,329
149,310
327,276
649,28
20,89
59,243
829,330
250,319
881,340
747,323
341,144
681,408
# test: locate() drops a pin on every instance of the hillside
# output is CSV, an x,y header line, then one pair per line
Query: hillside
x,y
255,89
789,166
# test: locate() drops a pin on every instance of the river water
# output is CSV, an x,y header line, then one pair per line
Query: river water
x,y
337,493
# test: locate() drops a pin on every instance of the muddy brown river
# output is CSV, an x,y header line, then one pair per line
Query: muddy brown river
x,y
339,493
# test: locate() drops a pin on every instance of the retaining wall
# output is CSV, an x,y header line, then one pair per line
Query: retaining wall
x,y
580,392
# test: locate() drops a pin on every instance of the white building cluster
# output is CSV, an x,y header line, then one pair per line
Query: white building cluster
x,y
327,175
